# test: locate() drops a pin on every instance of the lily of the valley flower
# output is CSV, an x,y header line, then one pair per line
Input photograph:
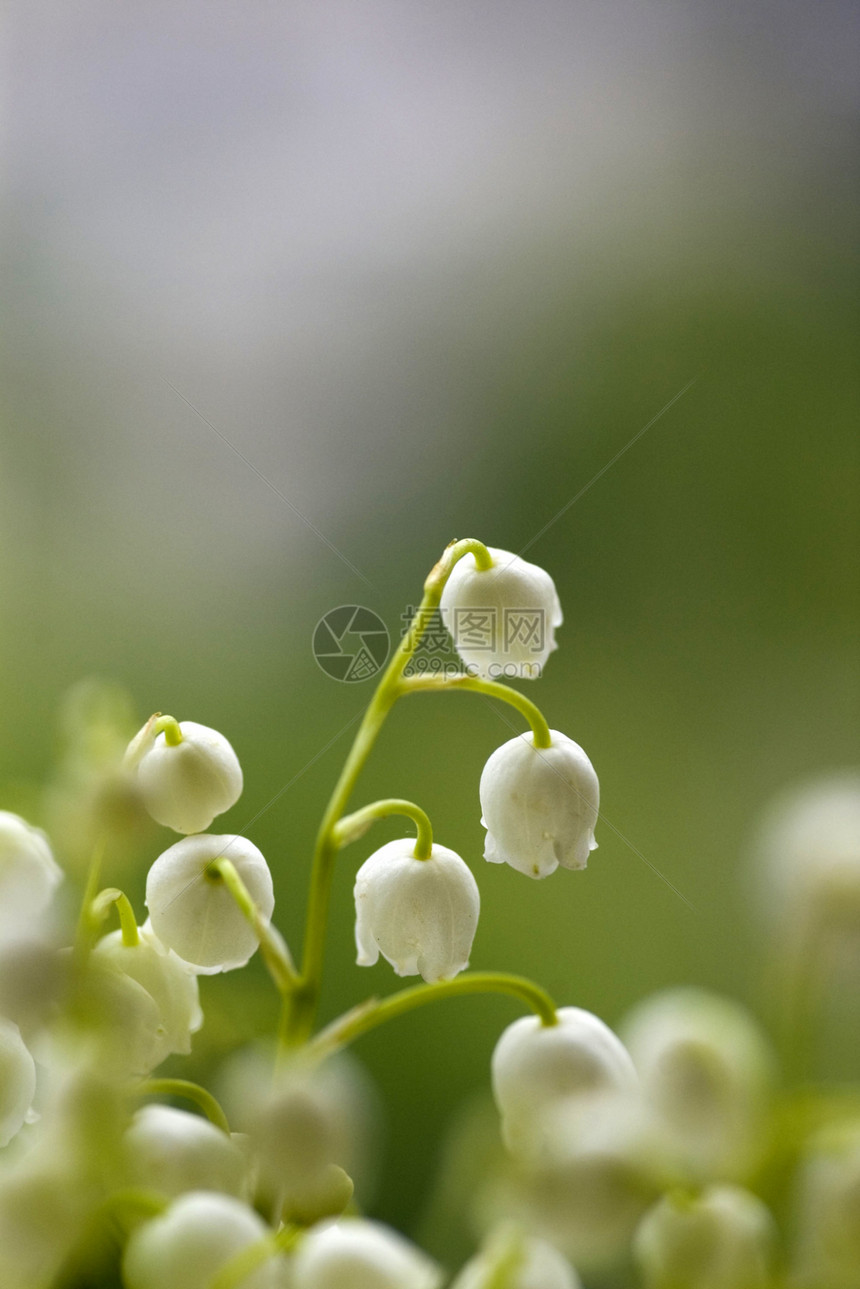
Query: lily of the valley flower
x,y
502,619
420,914
192,1241
17,1081
539,805
536,1065
187,775
723,1239
519,1262
356,1252
192,911
29,874
170,1151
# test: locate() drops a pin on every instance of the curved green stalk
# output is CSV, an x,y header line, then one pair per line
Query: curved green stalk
x,y
377,1011
112,897
273,947
298,1022
491,689
353,826
190,1092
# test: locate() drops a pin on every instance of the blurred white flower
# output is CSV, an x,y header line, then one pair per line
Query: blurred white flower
x,y
826,1215
188,1245
519,1262
171,1151
361,1255
29,875
539,805
708,1072
724,1238
168,980
421,914
17,1081
536,1065
191,909
502,619
185,785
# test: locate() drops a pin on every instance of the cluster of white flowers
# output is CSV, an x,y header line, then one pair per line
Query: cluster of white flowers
x,y
651,1154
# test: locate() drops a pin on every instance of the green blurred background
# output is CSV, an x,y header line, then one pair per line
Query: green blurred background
x,y
423,271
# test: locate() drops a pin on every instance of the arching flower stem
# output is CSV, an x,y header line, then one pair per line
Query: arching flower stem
x,y
353,826
188,1091
273,946
491,689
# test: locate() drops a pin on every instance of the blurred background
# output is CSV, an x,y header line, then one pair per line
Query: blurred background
x,y
297,293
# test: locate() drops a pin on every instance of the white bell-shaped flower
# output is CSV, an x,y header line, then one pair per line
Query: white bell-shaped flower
x,y
520,1262
826,1216
502,619
420,914
17,1081
722,1239
535,1065
362,1255
168,980
192,1241
539,805
29,874
185,785
191,910
170,1151
708,1072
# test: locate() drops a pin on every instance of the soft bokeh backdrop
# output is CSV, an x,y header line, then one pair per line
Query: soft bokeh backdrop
x,y
297,293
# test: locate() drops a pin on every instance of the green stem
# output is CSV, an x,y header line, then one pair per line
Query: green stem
x,y
169,727
188,1091
298,1023
377,1011
273,947
490,688
112,897
353,826
83,935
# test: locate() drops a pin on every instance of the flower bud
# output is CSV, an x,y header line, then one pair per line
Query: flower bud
x,y
826,1212
707,1070
539,805
192,911
535,1065
362,1255
724,1239
188,1245
502,619
421,914
185,785
518,1262
17,1081
168,980
171,1151
29,874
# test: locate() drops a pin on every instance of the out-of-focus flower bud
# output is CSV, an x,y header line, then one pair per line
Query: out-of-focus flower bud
x,y
29,875
539,805
722,1239
808,857
171,1151
192,911
363,1255
17,1081
518,1262
421,914
826,1212
166,978
188,1245
708,1072
536,1065
185,782
502,619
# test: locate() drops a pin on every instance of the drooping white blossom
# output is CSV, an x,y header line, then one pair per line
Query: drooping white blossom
x,y
420,914
362,1255
17,1081
185,785
171,1151
523,1261
503,619
539,805
192,1241
535,1065
825,1216
724,1238
191,910
29,875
